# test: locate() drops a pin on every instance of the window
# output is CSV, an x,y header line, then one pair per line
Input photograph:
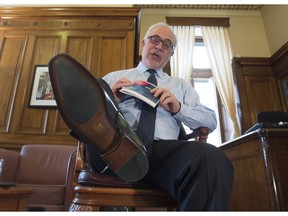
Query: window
x,y
201,74
200,57
203,83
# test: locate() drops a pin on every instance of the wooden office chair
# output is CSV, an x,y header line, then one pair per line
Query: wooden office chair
x,y
95,191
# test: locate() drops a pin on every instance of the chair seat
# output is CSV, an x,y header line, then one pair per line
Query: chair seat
x,y
92,198
96,190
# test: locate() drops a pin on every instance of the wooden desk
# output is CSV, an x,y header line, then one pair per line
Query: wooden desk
x,y
14,198
260,161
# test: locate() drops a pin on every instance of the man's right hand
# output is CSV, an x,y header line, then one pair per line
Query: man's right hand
x,y
122,82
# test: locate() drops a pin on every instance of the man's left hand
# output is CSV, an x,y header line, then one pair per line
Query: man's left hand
x,y
167,100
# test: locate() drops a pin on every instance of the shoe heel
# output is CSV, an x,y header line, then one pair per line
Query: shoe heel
x,y
135,168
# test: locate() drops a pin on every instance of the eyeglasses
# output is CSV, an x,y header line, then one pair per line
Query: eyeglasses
x,y
156,39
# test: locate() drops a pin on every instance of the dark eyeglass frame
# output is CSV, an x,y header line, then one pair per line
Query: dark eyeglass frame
x,y
156,39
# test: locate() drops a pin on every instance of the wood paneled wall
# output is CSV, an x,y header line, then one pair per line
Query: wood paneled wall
x,y
102,39
279,63
259,82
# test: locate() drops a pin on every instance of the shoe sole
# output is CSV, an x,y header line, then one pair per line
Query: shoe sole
x,y
83,105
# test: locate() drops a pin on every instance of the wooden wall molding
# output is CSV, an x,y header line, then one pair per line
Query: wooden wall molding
x,y
279,61
255,66
65,18
39,24
61,12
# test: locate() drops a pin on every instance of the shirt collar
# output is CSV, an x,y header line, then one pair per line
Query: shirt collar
x,y
143,68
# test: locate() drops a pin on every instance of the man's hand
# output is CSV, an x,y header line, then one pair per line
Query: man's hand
x,y
122,82
167,100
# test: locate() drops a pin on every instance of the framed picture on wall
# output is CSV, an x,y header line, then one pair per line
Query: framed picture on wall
x,y
41,92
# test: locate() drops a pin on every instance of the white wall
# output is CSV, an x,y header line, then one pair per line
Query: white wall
x,y
247,32
275,19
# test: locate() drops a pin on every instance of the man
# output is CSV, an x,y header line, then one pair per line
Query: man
x,y
198,175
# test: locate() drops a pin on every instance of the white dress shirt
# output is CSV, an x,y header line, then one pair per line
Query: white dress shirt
x,y
192,112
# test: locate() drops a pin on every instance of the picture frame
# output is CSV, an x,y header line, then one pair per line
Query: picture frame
x,y
41,95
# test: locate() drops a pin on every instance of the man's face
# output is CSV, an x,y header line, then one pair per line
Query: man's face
x,y
155,56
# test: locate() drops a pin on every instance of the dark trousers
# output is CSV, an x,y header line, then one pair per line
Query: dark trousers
x,y
198,175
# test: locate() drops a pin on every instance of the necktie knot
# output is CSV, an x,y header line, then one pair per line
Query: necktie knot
x,y
151,71
152,79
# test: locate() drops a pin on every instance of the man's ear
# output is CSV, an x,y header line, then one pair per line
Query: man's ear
x,y
143,43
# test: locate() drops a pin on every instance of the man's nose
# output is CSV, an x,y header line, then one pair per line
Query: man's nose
x,y
159,46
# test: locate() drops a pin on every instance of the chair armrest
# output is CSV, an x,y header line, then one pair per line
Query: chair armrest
x,y
69,184
199,134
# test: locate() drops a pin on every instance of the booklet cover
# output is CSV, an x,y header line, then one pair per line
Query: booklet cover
x,y
141,90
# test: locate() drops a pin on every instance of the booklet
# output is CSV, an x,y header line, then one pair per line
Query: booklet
x,y
141,90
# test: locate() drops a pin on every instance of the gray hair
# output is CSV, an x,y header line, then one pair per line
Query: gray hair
x,y
158,25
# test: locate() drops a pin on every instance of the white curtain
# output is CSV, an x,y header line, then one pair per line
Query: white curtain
x,y
216,40
181,61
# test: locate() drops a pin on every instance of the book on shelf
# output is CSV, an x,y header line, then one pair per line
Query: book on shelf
x,y
141,90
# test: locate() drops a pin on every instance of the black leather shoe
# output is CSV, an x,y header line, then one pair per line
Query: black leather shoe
x,y
87,106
